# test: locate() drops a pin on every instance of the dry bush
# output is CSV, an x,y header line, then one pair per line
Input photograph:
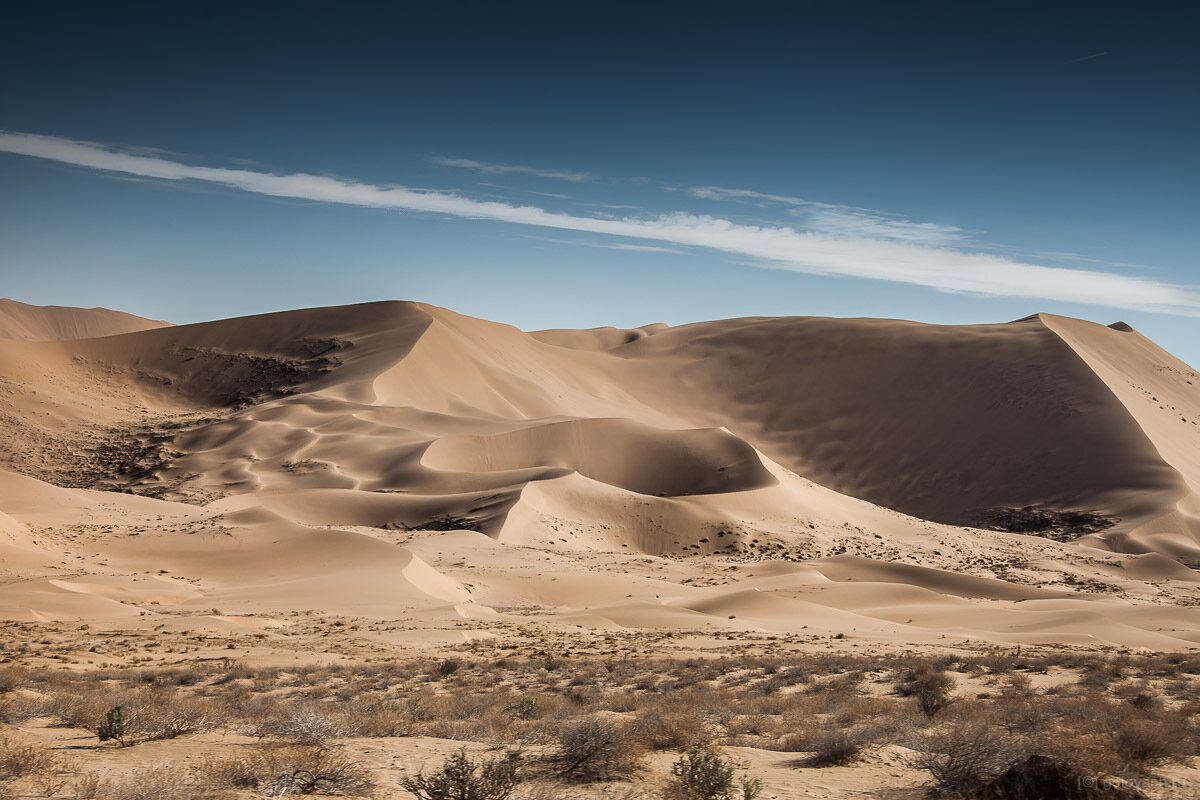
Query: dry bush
x,y
596,748
305,723
964,755
930,686
377,719
90,787
790,676
84,710
159,783
17,707
752,724
18,760
285,769
847,683
11,679
836,748
672,726
1142,742
999,662
1100,674
1039,777
245,772
167,715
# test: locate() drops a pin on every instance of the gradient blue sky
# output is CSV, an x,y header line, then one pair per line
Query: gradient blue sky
x,y
586,164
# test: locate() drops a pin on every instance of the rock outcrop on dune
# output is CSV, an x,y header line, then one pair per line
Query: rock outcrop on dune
x,y
52,323
785,438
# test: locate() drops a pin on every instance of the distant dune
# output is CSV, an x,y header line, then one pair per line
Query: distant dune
x,y
1013,482
52,323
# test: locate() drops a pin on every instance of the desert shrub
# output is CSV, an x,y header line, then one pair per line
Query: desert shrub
x,y
1142,742
1000,661
307,725
848,683
447,668
377,719
11,679
785,677
159,783
596,748
702,774
311,769
460,778
965,755
525,708
284,769
18,760
245,772
90,787
672,727
115,726
83,710
1039,777
800,742
1099,674
835,748
930,686
166,715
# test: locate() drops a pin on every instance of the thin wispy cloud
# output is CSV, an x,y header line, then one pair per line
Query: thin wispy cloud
x,y
841,220
852,222
636,248
723,193
504,169
781,247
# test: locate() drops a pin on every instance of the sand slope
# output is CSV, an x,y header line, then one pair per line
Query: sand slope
x,y
51,323
780,475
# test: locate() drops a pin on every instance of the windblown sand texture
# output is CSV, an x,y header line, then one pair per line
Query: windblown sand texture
x,y
791,476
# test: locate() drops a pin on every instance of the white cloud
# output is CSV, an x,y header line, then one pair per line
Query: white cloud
x,y
855,222
501,169
781,247
722,193
637,248
841,220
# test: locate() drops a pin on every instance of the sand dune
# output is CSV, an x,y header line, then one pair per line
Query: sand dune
x,y
1023,482
51,323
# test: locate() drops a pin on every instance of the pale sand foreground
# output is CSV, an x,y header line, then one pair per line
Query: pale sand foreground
x,y
372,481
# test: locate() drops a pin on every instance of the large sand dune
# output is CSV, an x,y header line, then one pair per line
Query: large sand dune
x,y
50,323
1035,481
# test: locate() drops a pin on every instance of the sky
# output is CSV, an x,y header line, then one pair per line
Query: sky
x,y
586,164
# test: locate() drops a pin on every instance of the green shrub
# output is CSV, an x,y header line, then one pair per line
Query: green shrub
x,y
462,779
705,775
114,727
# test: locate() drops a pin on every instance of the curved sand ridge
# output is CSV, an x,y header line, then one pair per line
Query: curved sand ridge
x,y
647,461
760,474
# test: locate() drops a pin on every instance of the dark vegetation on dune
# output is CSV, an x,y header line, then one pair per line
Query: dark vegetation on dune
x,y
1059,525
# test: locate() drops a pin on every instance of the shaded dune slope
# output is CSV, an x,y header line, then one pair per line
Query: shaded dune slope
x,y
941,422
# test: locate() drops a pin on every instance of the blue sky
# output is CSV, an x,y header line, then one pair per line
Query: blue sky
x,y
586,164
